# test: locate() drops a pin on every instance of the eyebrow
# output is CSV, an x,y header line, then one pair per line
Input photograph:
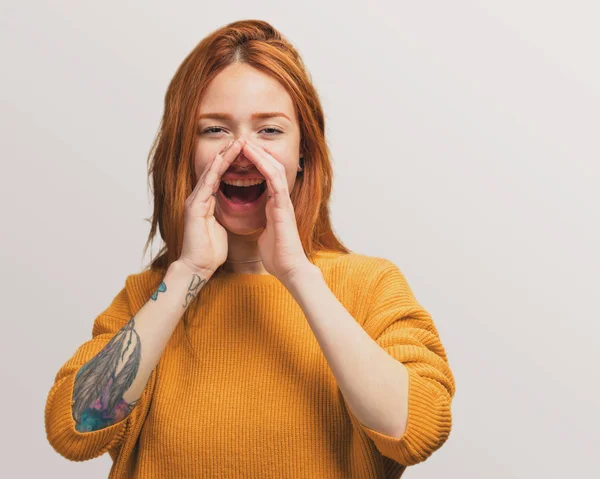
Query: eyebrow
x,y
258,115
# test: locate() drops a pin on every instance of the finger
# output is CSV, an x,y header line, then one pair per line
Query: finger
x,y
273,172
230,155
206,171
212,165
278,166
202,178
222,160
213,179
285,193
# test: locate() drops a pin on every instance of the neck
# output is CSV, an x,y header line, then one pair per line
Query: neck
x,y
243,248
245,268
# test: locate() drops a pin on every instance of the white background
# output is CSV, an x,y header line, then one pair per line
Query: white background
x,y
465,140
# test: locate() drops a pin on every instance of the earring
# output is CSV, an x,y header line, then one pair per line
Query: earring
x,y
301,165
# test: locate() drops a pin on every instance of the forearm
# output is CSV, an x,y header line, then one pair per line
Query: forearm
x,y
373,383
109,385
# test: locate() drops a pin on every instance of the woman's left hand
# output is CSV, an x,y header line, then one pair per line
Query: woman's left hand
x,y
279,244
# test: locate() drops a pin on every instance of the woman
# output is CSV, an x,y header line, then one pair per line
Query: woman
x,y
255,344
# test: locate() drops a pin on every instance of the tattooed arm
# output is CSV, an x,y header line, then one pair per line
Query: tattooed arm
x,y
108,386
99,388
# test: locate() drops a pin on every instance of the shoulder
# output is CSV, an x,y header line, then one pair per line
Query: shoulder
x,y
363,282
360,275
357,266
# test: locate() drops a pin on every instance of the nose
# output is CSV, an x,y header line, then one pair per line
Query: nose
x,y
240,164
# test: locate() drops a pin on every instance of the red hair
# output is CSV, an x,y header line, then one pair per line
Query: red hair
x,y
171,160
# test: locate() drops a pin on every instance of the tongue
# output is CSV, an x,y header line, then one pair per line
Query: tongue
x,y
243,194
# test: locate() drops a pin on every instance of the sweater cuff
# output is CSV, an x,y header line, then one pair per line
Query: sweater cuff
x,y
429,424
60,426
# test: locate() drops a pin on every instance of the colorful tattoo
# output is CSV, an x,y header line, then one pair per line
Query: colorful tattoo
x,y
162,287
98,391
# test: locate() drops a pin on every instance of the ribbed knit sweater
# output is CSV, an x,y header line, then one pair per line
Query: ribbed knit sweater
x,y
258,399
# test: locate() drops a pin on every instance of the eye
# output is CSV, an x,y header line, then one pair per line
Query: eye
x,y
276,130
212,129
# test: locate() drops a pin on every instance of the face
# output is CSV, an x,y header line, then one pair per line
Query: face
x,y
239,91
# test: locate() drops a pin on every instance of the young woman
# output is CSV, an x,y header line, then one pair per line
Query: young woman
x,y
255,344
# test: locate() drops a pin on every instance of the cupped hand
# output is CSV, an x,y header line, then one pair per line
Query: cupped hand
x,y
279,244
205,244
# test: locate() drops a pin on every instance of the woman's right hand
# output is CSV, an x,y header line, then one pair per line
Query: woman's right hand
x,y
205,245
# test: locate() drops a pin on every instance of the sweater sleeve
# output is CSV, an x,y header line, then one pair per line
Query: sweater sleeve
x,y
58,416
406,331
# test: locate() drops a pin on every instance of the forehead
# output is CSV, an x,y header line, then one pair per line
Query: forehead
x,y
242,90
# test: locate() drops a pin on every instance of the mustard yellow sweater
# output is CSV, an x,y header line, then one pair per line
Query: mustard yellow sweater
x,y
259,399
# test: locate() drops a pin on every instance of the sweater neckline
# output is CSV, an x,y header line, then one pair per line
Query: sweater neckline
x,y
243,278
255,278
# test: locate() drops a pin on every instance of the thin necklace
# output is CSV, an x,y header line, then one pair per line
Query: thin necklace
x,y
248,261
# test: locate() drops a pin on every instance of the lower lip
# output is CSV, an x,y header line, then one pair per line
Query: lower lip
x,y
232,207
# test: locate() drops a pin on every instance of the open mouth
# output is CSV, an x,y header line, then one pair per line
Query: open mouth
x,y
243,191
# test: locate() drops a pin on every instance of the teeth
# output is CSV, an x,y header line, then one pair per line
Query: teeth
x,y
243,182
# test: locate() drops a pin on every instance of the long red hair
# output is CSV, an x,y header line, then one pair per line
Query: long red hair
x,y
170,163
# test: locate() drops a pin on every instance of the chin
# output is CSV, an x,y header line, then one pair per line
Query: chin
x,y
243,226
